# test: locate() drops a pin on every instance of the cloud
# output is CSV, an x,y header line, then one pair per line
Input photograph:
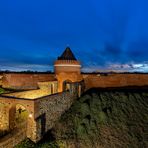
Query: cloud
x,y
100,32
24,67
118,67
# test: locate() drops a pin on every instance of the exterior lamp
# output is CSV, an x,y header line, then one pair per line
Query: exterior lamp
x,y
30,115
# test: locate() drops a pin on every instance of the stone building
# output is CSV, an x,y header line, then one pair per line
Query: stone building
x,y
67,69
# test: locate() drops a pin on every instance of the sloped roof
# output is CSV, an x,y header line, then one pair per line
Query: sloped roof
x,y
67,55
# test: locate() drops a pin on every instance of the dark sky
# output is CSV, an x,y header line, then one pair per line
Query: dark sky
x,y
103,34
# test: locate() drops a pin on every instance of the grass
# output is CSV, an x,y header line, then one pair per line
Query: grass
x,y
103,118
20,117
2,90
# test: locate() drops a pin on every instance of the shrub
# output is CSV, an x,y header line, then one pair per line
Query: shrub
x,y
2,90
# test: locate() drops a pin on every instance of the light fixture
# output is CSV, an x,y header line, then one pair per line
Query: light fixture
x,y
30,115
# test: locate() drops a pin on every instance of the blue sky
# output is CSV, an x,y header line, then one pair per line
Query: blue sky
x,y
103,34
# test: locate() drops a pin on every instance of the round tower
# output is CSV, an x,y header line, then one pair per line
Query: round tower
x,y
67,68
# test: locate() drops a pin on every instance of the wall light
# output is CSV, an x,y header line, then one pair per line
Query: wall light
x,y
30,115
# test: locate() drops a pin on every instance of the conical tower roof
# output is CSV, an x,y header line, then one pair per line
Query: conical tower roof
x,y
67,55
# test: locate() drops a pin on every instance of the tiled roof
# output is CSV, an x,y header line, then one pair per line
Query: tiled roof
x,y
67,55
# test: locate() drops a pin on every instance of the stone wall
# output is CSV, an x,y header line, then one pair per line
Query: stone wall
x,y
45,89
8,109
42,112
49,109
4,116
67,66
25,81
115,80
13,138
1,76
73,77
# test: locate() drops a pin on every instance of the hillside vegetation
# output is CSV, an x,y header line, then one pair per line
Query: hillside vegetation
x,y
113,118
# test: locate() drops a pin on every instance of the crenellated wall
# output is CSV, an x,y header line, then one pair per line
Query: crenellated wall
x,y
115,80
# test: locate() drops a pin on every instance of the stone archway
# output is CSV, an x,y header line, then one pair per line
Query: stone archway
x,y
67,85
18,116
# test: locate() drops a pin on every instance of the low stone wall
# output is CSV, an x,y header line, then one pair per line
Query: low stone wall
x,y
13,138
45,90
115,80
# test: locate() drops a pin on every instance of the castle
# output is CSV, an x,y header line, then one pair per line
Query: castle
x,y
45,97
68,68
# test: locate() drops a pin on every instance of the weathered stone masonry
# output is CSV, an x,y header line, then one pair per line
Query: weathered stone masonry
x,y
49,109
44,111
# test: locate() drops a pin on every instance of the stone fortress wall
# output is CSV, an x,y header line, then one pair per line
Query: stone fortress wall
x,y
68,68
30,81
49,109
25,81
114,80
43,113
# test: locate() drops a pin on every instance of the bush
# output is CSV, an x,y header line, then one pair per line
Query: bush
x,y
2,90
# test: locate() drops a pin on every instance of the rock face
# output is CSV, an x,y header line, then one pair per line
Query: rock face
x,y
106,118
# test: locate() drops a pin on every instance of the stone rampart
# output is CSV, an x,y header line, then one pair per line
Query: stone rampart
x,y
43,112
115,80
49,109
25,81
